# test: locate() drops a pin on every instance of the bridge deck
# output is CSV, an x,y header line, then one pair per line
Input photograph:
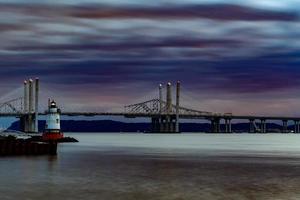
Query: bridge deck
x,y
182,116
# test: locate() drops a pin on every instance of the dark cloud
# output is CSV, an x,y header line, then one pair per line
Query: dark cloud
x,y
266,73
131,43
272,73
4,27
221,12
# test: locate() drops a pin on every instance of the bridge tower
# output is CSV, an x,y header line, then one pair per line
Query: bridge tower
x,y
167,121
29,119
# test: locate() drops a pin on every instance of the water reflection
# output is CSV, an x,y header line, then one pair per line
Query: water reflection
x,y
158,167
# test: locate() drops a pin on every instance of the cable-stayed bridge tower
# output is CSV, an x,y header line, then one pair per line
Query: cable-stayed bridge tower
x,y
167,121
29,117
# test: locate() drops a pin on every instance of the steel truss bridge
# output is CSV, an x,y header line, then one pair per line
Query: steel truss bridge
x,y
164,114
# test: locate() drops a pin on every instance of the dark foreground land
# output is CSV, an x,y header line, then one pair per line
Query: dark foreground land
x,y
10,145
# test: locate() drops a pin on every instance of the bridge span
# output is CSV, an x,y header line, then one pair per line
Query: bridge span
x,y
256,123
164,114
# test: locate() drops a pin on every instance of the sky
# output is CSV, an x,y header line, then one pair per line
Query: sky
x,y
230,55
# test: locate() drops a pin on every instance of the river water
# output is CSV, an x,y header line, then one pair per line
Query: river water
x,y
155,166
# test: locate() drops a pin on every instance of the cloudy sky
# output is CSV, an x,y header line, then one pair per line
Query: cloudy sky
x,y
240,56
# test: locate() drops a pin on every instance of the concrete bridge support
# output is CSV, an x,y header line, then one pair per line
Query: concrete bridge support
x,y
29,121
228,128
177,107
36,104
215,125
263,126
252,126
155,125
285,126
296,126
168,126
164,124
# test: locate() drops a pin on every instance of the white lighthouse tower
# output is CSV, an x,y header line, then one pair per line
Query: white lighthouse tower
x,y
52,129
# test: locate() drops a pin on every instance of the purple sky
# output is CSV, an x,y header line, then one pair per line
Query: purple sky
x,y
231,56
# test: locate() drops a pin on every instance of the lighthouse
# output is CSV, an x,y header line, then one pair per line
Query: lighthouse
x,y
52,129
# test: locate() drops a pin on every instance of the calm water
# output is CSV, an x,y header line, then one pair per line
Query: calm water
x,y
144,166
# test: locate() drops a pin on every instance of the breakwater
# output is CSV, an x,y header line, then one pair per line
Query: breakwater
x,y
11,146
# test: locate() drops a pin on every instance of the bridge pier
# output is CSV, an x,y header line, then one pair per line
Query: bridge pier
x,y
228,126
27,123
168,126
252,126
263,126
164,124
177,107
23,125
296,126
285,126
161,125
215,125
155,124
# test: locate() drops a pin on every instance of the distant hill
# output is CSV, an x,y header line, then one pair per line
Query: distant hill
x,y
116,126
